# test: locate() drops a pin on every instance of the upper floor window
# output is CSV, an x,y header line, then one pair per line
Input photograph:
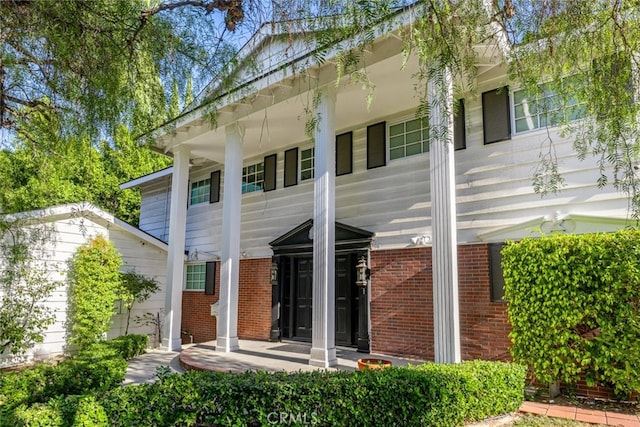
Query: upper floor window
x,y
200,191
252,178
546,107
408,138
307,163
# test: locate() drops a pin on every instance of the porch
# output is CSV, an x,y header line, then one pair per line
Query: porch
x,y
269,356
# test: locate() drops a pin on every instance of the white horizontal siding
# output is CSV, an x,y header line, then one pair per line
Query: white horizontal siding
x,y
154,208
70,235
493,190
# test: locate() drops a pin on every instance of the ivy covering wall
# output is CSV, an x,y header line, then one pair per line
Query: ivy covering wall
x,y
574,304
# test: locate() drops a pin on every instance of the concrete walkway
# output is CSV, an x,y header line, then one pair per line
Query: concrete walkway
x,y
293,357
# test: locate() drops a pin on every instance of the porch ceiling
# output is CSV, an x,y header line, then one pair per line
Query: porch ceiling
x,y
275,116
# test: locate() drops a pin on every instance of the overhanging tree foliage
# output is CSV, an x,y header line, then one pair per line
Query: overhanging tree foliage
x,y
98,64
58,170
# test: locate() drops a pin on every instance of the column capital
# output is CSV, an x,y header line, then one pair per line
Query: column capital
x,y
235,128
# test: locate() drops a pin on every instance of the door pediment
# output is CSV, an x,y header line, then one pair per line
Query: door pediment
x,y
299,239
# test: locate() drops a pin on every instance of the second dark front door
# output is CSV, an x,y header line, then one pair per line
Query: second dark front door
x,y
346,300
304,295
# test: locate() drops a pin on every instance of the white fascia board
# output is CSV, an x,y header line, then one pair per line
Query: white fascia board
x,y
84,210
147,178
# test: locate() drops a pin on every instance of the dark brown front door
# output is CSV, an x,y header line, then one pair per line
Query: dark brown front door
x,y
303,297
344,331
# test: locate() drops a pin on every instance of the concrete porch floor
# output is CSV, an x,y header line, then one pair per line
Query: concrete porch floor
x,y
287,356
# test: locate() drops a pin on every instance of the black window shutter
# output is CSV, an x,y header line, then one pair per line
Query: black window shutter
x,y
376,145
344,153
291,167
459,134
210,278
495,271
270,164
214,187
496,118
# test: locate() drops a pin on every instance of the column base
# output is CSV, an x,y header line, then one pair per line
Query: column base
x,y
174,344
227,344
323,358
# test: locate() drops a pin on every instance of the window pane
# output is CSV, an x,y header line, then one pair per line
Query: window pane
x,y
396,141
396,129
414,149
396,153
196,274
200,191
413,125
408,138
252,178
414,137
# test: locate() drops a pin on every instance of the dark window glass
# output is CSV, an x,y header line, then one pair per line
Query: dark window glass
x,y
291,167
376,145
270,163
344,153
496,119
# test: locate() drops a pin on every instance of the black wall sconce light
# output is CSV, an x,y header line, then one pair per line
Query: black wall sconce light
x,y
274,273
363,273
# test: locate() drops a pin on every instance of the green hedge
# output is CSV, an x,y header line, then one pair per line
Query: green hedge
x,y
99,368
574,305
435,395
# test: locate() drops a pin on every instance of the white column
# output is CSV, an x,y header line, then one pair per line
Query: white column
x,y
227,339
171,339
443,213
323,347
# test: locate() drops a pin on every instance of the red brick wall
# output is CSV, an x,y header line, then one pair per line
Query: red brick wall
x,y
402,305
484,325
254,305
196,313
254,302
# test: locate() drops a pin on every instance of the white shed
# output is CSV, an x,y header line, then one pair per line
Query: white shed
x,y
72,225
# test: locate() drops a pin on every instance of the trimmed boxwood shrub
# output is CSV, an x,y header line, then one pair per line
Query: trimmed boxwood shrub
x,y
61,411
101,367
127,347
574,305
431,394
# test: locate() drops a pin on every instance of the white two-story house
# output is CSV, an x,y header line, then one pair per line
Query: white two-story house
x,y
365,232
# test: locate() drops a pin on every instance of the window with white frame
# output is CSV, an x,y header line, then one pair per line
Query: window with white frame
x,y
408,138
196,277
545,108
307,163
252,178
200,191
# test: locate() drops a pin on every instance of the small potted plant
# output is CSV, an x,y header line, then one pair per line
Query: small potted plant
x,y
373,363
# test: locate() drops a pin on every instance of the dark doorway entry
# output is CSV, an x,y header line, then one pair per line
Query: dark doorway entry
x,y
297,292
293,298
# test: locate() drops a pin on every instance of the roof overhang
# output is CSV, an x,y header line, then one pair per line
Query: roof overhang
x,y
84,210
272,108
